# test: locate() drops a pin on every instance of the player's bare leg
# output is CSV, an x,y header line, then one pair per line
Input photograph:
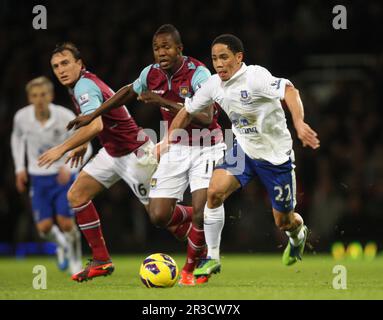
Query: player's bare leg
x,y
292,224
222,185
166,213
49,231
73,238
80,196
161,210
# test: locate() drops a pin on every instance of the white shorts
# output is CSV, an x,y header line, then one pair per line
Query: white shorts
x,y
183,165
135,168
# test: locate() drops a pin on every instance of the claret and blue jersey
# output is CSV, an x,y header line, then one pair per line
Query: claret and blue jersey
x,y
120,134
177,87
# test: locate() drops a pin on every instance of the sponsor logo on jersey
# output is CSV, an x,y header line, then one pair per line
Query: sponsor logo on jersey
x,y
160,92
184,92
84,99
245,97
242,123
276,83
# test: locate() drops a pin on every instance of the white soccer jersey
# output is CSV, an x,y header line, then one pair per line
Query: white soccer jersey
x,y
251,99
29,135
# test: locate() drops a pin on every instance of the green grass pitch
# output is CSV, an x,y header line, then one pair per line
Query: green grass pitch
x,y
242,277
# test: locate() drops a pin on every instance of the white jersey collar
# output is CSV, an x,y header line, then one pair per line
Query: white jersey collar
x,y
236,75
52,116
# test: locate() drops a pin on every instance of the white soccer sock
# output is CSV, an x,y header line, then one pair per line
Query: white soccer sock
x,y
73,238
296,236
56,236
214,219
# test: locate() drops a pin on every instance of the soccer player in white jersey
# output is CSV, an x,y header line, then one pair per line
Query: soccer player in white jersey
x,y
37,127
251,97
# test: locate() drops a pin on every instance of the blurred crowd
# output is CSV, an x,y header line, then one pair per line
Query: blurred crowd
x,y
340,186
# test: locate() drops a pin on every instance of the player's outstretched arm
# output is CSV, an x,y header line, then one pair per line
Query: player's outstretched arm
x,y
307,135
80,137
123,96
203,118
181,121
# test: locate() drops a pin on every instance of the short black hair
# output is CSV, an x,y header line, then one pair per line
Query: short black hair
x,y
60,47
169,29
233,43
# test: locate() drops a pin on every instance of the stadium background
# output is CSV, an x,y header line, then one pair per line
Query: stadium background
x,y
338,72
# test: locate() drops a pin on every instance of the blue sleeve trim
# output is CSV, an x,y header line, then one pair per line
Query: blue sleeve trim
x,y
88,95
200,76
140,85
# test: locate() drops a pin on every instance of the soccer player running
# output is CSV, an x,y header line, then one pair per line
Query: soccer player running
x,y
176,77
126,153
36,128
251,97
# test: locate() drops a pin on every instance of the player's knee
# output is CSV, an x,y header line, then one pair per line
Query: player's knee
x,y
159,217
77,198
65,224
215,197
44,228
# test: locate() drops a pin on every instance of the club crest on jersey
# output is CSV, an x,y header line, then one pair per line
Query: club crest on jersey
x,y
245,96
184,92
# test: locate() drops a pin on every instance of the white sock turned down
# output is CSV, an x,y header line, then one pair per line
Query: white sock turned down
x,y
296,236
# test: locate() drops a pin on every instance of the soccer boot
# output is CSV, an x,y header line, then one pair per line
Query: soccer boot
x,y
201,279
205,268
292,254
186,279
94,269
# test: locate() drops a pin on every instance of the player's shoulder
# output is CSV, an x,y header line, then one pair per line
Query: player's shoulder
x,y
149,69
86,87
84,83
257,76
193,63
257,70
214,79
62,110
212,82
24,112
150,66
